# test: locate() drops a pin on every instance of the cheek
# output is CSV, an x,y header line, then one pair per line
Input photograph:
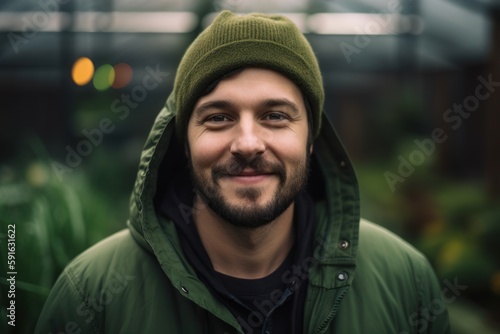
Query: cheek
x,y
297,158
293,159
205,153
292,149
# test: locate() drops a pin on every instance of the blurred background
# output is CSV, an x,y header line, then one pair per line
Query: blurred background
x,y
413,88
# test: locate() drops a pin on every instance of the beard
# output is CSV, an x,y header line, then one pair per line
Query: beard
x,y
250,214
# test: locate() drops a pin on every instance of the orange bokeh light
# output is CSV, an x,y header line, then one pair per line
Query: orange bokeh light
x,y
82,71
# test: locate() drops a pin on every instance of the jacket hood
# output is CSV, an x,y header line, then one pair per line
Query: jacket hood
x,y
332,185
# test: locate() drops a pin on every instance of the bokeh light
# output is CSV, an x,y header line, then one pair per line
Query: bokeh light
x,y
82,71
104,77
123,75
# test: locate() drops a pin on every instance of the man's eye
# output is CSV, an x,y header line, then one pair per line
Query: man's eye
x,y
217,118
275,117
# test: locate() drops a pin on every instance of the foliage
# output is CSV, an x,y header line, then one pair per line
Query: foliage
x,y
54,222
452,222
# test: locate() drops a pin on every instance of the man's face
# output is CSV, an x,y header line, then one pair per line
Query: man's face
x,y
248,147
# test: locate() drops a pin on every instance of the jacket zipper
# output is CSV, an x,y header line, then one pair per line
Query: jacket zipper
x,y
334,310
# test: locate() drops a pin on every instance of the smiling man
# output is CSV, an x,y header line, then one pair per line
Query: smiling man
x,y
245,213
248,147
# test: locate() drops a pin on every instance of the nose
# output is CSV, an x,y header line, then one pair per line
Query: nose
x,y
248,141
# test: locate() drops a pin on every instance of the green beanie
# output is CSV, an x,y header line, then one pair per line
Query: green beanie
x,y
254,40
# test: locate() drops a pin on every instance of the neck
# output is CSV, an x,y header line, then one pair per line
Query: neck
x,y
242,252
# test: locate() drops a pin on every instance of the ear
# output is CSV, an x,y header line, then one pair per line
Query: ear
x,y
311,149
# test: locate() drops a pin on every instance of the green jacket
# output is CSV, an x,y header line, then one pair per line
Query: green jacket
x,y
362,278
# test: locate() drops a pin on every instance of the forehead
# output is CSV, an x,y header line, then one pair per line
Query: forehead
x,y
252,85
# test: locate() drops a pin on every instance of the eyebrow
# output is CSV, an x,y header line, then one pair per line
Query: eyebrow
x,y
217,104
281,103
225,104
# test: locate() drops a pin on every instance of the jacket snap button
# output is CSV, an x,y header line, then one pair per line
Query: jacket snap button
x,y
344,244
342,276
184,289
342,164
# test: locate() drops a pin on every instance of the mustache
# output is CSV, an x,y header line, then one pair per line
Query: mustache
x,y
237,164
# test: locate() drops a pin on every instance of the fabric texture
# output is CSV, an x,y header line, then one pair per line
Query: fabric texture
x,y
234,41
360,278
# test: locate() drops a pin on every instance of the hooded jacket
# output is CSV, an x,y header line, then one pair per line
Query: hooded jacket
x,y
361,277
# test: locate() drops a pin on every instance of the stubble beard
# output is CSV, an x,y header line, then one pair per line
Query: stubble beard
x,y
250,215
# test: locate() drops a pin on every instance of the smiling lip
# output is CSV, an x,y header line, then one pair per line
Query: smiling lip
x,y
249,177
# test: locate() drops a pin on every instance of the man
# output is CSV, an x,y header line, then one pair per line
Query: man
x,y
245,213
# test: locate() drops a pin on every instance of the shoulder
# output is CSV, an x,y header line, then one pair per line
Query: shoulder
x,y
116,268
386,260
392,284
96,274
116,250
115,257
376,241
98,284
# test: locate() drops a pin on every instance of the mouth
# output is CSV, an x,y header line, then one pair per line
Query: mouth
x,y
250,177
249,173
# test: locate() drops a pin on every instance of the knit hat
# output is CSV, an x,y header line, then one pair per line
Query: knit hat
x,y
254,40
